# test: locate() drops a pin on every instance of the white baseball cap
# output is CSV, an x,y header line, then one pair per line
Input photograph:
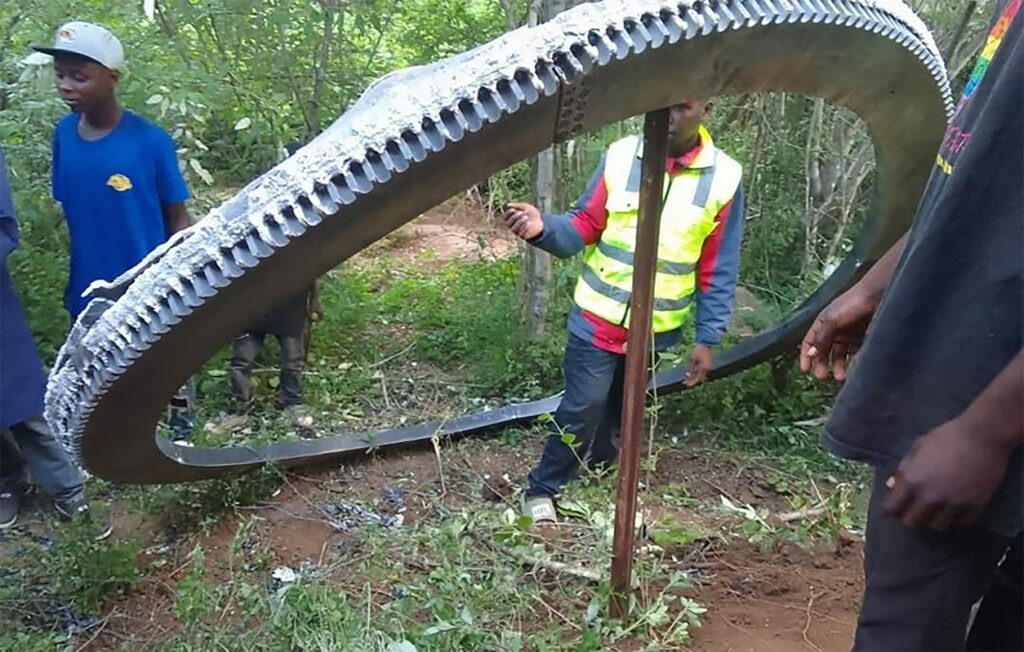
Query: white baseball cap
x,y
87,40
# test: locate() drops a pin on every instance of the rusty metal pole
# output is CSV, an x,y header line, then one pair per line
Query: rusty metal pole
x,y
652,173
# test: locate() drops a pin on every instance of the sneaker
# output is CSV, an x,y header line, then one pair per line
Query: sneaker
x,y
77,510
300,419
541,509
229,423
9,505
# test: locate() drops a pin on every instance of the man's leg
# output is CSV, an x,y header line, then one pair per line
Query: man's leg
x,y
12,480
293,360
46,459
589,373
604,452
183,417
59,478
244,351
920,584
999,624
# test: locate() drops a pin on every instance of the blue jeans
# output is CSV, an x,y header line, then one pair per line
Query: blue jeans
x,y
591,410
32,445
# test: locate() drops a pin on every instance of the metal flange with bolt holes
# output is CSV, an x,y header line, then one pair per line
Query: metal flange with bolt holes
x,y
420,135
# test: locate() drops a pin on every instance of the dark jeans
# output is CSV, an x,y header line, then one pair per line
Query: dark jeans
x,y
246,349
30,445
182,411
591,411
921,585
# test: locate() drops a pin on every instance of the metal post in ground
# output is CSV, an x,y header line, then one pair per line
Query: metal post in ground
x,y
652,173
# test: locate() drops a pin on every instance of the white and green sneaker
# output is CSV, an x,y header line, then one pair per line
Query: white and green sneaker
x,y
541,509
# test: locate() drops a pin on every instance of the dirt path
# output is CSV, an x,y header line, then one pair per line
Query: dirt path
x,y
458,229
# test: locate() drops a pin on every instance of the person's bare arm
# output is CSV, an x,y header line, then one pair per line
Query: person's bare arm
x,y
837,333
952,473
998,412
878,277
176,218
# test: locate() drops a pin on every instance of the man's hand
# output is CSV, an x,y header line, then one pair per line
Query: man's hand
x,y
948,479
700,365
316,311
837,334
524,220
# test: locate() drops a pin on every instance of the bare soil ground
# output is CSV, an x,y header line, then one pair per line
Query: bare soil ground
x,y
458,229
780,599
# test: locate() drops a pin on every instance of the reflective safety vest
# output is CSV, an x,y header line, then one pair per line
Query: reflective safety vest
x,y
693,198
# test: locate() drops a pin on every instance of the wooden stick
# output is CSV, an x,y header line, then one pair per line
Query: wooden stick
x,y
564,569
652,174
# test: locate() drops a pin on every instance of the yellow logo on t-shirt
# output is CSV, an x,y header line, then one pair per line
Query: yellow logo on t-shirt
x,y
119,182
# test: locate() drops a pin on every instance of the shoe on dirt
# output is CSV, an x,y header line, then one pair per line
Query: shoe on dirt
x,y
541,509
10,503
300,419
76,510
229,423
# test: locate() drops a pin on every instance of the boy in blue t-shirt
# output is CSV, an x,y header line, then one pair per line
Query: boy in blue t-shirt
x,y
115,174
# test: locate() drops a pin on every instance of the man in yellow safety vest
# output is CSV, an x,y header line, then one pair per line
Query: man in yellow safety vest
x,y
698,262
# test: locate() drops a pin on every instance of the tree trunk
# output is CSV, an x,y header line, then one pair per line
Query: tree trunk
x,y
536,264
958,34
320,70
813,192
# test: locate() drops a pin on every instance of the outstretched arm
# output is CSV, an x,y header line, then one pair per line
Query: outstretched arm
x,y
564,235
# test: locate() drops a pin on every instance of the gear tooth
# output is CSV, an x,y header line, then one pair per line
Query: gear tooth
x,y
399,159
527,84
549,80
243,257
306,214
229,264
255,244
321,199
471,118
638,35
189,294
209,281
694,23
508,96
488,105
375,165
358,179
674,26
431,136
177,304
340,191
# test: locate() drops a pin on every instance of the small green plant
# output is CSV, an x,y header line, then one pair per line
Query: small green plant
x,y
670,532
85,572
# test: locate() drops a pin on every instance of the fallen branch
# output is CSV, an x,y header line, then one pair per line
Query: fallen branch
x,y
807,623
800,514
563,568
391,357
